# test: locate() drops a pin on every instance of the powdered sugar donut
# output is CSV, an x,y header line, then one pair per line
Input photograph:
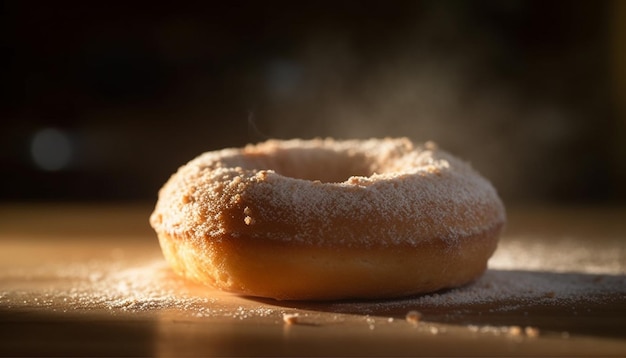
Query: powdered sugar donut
x,y
328,219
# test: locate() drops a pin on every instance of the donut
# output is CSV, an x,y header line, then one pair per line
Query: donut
x,y
326,219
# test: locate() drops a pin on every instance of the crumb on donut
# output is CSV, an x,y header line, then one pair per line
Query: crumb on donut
x,y
248,220
413,317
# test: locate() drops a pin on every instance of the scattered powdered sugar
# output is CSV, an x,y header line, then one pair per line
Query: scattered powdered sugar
x,y
96,285
568,274
513,281
505,290
561,254
121,287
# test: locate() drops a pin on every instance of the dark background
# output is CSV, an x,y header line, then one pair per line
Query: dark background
x,y
104,100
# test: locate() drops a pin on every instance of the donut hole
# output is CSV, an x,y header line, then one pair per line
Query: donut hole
x,y
325,165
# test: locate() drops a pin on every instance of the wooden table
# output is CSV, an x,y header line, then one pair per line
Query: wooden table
x,y
90,280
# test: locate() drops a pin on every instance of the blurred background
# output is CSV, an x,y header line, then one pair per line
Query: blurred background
x,y
103,101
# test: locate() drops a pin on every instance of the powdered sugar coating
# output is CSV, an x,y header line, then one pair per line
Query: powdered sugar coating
x,y
325,192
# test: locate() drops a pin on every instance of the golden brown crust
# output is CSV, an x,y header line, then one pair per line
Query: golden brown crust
x,y
292,271
325,219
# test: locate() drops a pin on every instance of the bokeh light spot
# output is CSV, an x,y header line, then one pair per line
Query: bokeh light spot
x,y
51,149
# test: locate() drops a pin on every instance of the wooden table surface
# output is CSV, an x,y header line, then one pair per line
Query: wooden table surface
x,y
85,280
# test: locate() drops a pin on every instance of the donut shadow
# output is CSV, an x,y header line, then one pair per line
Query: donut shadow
x,y
572,302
